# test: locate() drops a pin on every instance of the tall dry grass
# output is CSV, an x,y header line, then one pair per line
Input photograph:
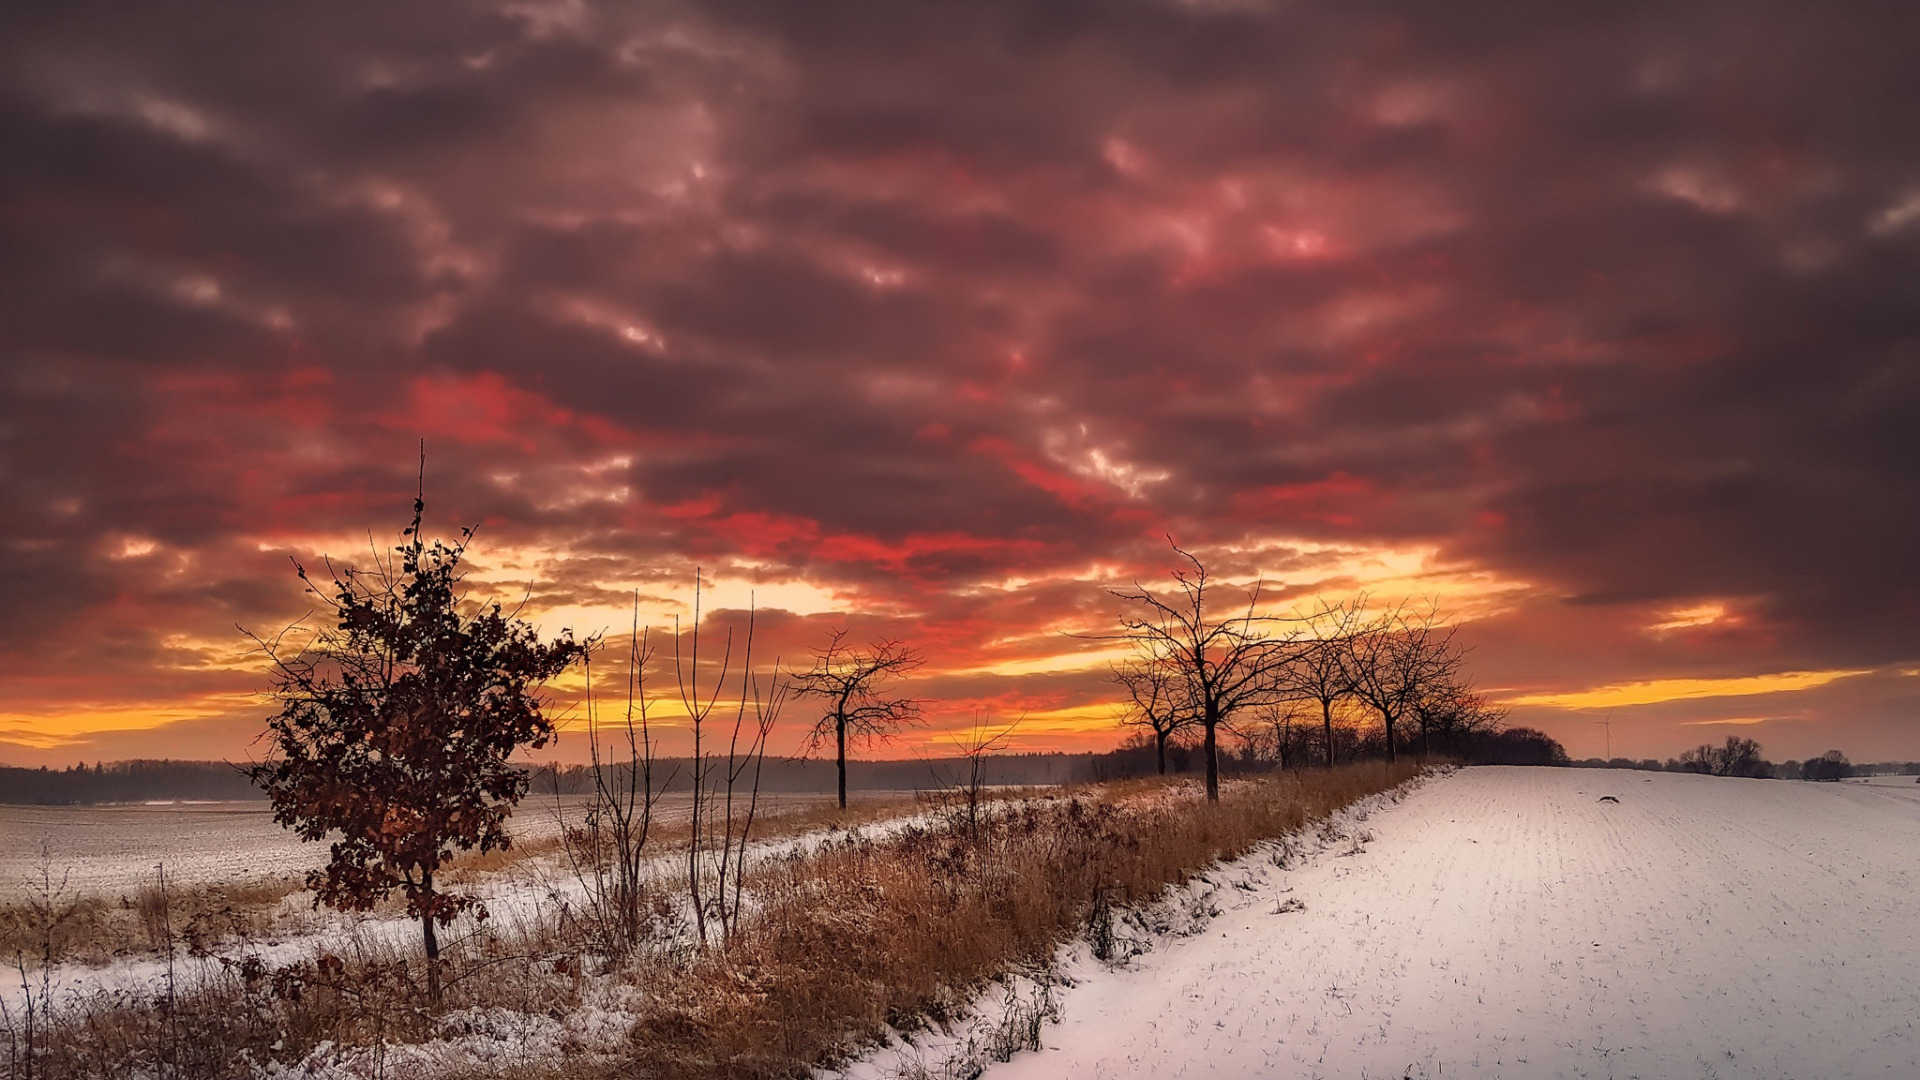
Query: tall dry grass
x,y
845,938
866,934
95,930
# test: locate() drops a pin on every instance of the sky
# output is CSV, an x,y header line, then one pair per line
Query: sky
x,y
1596,324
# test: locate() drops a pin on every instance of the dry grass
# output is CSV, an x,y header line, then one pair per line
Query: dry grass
x,y
773,822
95,930
849,937
866,934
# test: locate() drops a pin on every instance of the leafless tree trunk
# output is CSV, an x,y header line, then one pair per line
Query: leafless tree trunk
x,y
1222,664
1153,688
1450,710
853,685
976,747
699,708
608,850
755,716
726,791
1399,657
1323,671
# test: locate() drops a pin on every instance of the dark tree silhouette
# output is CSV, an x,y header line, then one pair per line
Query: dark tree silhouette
x,y
1153,689
1697,760
1736,757
1452,714
1741,757
396,726
852,685
1222,664
1399,658
1286,723
1832,765
1323,672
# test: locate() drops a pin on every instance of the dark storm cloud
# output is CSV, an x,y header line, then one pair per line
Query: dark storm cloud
x,y
1621,301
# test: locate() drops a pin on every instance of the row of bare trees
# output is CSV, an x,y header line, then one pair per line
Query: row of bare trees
x,y
1214,663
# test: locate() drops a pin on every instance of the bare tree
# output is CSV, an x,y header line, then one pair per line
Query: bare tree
x,y
1323,672
1453,713
852,684
754,716
1397,658
1741,757
1285,724
978,744
698,706
1223,664
726,790
1153,691
608,848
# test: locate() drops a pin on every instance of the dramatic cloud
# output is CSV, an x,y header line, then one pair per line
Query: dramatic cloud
x,y
1601,324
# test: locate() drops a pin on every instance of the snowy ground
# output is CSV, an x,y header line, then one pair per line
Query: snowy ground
x,y
108,850
1508,923
113,851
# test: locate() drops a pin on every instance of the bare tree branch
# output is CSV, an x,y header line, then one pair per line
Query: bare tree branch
x,y
1221,664
852,686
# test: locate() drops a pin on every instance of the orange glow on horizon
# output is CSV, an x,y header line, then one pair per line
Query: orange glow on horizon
x,y
1655,691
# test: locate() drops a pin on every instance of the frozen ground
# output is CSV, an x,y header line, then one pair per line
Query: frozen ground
x,y
1508,923
112,851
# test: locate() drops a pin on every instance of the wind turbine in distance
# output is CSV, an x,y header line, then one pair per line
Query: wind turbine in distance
x,y
1607,723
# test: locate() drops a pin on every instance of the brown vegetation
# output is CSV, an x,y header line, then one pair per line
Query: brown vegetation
x,y
94,930
397,727
98,930
867,934
845,937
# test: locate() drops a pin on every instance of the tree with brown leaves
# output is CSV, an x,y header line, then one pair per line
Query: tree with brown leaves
x,y
852,684
396,726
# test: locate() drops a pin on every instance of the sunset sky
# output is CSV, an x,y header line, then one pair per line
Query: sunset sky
x,y
1597,323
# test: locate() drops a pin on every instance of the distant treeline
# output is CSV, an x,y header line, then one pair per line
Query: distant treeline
x,y
788,775
1512,746
125,781
1741,757
145,781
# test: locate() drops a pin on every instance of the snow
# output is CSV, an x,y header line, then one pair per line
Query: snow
x,y
474,1041
107,844
113,851
1489,923
1505,922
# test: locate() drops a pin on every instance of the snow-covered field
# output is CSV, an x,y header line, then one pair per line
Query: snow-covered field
x,y
1492,923
1508,923
113,851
